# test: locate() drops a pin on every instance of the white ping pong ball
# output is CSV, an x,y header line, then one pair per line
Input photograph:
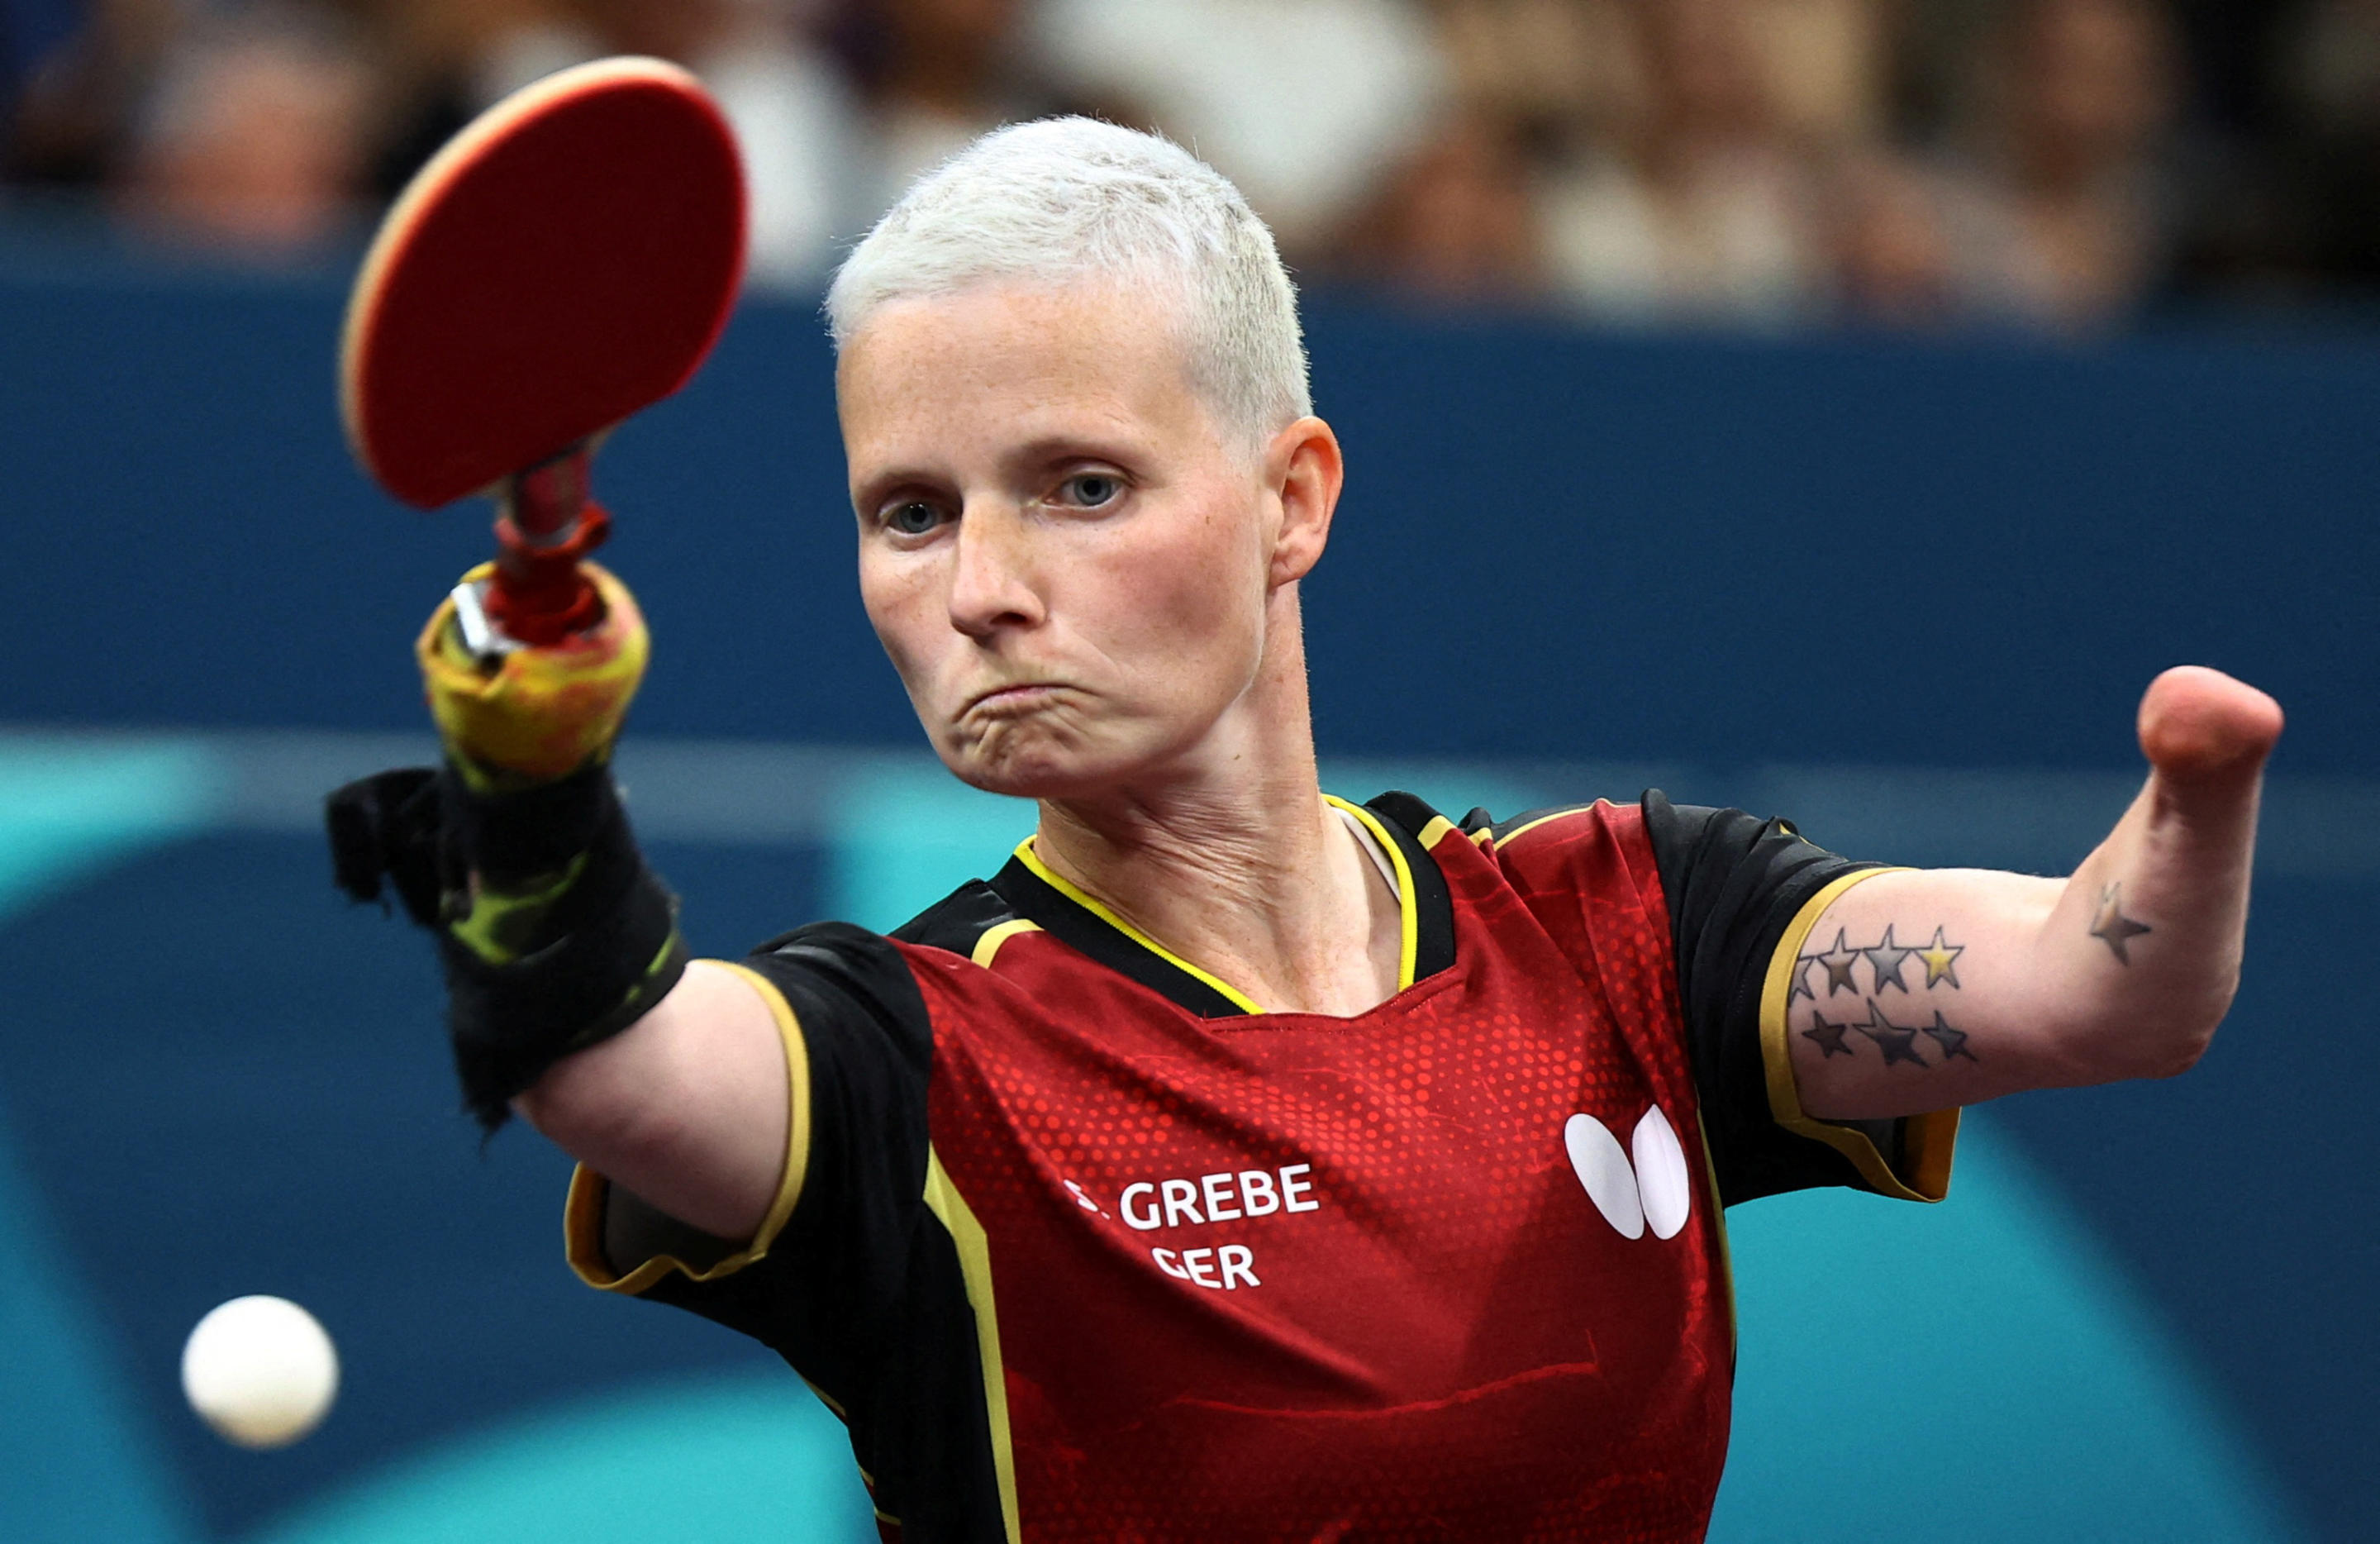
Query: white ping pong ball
x,y
260,1371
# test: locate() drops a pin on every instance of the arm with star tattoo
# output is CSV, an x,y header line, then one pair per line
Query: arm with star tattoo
x,y
1923,989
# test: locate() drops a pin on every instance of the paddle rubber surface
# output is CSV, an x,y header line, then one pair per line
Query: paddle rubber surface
x,y
567,260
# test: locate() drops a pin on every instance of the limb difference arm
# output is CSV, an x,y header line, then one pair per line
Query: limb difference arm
x,y
1921,990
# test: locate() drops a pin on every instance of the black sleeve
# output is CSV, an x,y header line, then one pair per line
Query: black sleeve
x,y
1735,884
862,1026
861,1288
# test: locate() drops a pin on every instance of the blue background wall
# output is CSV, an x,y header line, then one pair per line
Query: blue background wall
x,y
1906,592
1553,544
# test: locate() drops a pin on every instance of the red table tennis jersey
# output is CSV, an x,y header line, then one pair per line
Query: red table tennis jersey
x,y
1084,1245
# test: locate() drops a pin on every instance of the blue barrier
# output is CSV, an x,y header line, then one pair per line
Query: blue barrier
x,y
1553,544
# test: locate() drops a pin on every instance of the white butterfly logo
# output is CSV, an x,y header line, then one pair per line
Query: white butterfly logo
x,y
1656,1191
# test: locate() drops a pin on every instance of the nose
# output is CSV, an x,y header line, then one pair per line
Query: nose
x,y
991,577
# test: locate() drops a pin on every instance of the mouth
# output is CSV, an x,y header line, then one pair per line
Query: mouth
x,y
1017,697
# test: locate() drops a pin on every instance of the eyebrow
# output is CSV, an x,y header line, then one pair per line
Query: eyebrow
x,y
873,493
1068,447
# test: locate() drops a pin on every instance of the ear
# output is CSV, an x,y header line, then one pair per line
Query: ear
x,y
1303,470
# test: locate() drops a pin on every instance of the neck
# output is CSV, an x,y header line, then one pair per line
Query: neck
x,y
1229,858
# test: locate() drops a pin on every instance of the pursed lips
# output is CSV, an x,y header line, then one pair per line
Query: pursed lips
x,y
1014,694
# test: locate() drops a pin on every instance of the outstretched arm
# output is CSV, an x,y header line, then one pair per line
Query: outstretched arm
x,y
569,996
686,1109
1922,989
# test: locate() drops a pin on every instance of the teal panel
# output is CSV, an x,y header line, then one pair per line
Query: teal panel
x,y
734,1458
1979,1372
67,806
908,834
1451,789
80,1465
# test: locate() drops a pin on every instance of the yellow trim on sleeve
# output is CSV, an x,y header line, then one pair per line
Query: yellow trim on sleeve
x,y
1927,1138
943,1199
1927,1142
1518,832
988,946
1438,826
1409,913
1719,1225
1082,898
582,1215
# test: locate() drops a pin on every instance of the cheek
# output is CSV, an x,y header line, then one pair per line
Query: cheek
x,y
1194,603
895,596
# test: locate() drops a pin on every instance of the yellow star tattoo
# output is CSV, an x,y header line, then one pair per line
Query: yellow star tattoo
x,y
1941,960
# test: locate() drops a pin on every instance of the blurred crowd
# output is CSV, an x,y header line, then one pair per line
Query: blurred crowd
x,y
2058,164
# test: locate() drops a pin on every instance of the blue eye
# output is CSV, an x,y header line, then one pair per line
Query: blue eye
x,y
1091,489
912,518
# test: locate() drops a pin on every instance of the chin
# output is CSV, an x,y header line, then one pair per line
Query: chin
x,y
1022,762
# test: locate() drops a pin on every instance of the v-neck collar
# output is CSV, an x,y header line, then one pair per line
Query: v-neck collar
x,y
1081,921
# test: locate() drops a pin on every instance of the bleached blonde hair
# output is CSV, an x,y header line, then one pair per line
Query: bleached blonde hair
x,y
1071,200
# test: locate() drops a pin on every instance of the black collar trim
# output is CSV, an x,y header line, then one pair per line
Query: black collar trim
x,y
1085,931
1072,922
1406,818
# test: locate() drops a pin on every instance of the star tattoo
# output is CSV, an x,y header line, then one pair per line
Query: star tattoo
x,y
1838,961
1898,1044
1802,980
2114,929
1886,959
1830,1037
1952,1042
1941,959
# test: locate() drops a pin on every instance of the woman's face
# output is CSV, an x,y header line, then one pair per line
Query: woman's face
x,y
1066,556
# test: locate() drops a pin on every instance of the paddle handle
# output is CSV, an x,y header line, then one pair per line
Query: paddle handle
x,y
546,524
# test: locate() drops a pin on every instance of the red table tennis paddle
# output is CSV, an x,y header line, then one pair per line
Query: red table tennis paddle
x,y
567,260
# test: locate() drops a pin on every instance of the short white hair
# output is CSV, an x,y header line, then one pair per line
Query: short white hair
x,y
1065,201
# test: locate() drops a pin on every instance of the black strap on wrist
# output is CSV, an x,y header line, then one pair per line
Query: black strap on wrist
x,y
590,946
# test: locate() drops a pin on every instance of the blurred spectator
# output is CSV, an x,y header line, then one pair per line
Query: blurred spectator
x,y
2065,215
1890,247
73,121
1561,71
2328,83
2331,67
935,74
442,61
1824,63
794,116
2059,163
257,136
1305,103
1456,222
1706,208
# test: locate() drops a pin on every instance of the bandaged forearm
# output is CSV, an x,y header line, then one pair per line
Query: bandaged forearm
x,y
554,934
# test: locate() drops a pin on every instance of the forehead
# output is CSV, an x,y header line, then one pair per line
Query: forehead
x,y
1015,361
